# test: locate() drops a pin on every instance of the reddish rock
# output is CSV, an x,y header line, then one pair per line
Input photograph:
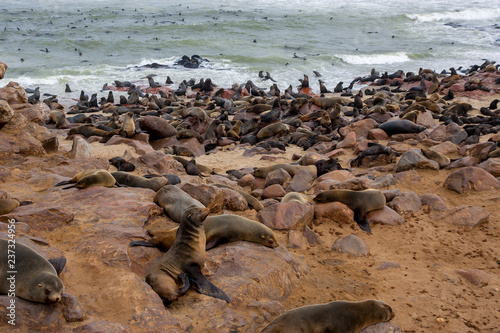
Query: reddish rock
x,y
351,244
246,180
37,113
407,202
279,176
445,148
360,128
407,177
426,119
41,216
233,200
337,175
72,309
464,215
475,276
434,201
302,181
335,212
471,178
80,148
6,112
467,161
156,127
140,147
348,142
414,158
30,316
295,240
103,326
383,181
3,69
13,93
479,150
310,158
311,237
286,216
491,165
161,163
359,183
377,134
273,191
385,215
384,327
208,195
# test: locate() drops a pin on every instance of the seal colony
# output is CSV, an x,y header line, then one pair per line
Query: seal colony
x,y
393,125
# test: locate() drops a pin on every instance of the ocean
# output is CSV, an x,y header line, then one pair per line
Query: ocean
x,y
89,43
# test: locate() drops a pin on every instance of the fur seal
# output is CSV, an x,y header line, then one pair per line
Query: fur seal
x,y
234,132
121,164
172,275
327,102
88,178
7,205
297,197
87,131
441,159
58,118
35,278
219,229
373,150
128,125
273,129
127,179
292,169
360,202
333,317
175,201
251,200
400,126
187,133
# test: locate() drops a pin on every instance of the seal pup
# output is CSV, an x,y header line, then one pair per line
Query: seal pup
x,y
172,275
121,164
127,179
35,279
175,201
219,229
88,178
360,202
333,317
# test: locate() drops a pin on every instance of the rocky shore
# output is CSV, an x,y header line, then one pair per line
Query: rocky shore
x,y
433,254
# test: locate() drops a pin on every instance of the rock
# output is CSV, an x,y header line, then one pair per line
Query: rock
x,y
247,271
385,327
426,119
359,128
294,240
103,326
161,163
3,69
286,216
140,147
387,264
377,134
246,180
13,93
207,195
51,145
445,148
41,216
407,177
351,244
467,161
80,148
458,137
273,191
359,183
348,142
30,316
156,127
391,194
279,176
233,200
72,310
301,182
414,158
329,212
464,215
491,165
383,181
312,237
470,178
434,201
479,150
474,276
38,113
385,215
407,202
6,112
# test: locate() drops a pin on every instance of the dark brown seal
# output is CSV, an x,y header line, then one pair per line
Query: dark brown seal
x,y
360,202
175,201
172,275
35,278
127,179
333,317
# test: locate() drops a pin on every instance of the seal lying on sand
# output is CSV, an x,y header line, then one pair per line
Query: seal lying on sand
x,y
333,317
172,275
35,278
219,229
360,202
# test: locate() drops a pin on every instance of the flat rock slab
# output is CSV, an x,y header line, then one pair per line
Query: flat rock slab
x,y
465,215
351,244
471,179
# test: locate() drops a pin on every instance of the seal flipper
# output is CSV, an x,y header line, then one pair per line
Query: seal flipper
x,y
203,286
147,243
360,218
58,263
214,242
185,280
71,186
64,182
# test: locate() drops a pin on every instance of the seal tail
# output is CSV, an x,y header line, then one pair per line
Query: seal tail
x,y
205,287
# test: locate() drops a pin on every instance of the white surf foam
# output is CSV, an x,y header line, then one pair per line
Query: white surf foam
x,y
363,59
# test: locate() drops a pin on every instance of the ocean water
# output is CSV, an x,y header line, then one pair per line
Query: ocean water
x,y
93,42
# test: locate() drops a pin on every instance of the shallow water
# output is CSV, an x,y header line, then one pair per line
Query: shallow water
x,y
95,42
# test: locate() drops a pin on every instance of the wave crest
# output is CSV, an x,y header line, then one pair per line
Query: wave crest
x,y
367,59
